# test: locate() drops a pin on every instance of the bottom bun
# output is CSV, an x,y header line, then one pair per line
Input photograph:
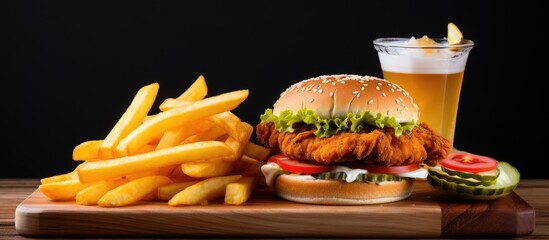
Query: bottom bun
x,y
330,192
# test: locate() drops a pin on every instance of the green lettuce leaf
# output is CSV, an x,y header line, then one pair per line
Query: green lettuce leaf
x,y
353,122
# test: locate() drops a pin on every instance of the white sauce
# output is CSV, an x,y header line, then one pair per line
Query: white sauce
x,y
352,174
420,173
303,176
271,170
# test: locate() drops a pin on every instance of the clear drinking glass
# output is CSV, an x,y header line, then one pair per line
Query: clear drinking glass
x,y
432,74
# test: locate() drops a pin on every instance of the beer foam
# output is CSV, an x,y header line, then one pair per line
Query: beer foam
x,y
410,58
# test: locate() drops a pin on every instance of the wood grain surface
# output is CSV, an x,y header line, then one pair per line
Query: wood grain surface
x,y
423,215
505,217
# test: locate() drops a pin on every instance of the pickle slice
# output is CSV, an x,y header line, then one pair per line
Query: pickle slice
x,y
440,173
481,176
369,177
507,181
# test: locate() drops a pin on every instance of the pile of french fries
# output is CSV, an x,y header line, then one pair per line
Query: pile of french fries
x,y
192,151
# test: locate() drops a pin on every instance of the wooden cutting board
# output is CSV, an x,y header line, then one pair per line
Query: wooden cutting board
x,y
424,214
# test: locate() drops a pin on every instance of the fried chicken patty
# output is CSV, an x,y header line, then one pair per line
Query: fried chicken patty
x,y
375,145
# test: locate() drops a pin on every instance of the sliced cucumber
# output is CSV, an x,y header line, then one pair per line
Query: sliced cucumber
x,y
369,177
440,173
481,176
507,181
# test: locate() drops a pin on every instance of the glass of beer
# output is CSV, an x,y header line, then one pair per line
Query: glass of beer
x,y
432,73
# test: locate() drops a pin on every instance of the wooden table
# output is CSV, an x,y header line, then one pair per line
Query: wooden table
x,y
14,191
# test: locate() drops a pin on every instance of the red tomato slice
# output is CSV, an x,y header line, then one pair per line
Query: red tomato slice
x,y
276,157
375,168
467,162
296,166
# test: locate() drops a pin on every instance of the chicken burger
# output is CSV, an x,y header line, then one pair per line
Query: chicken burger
x,y
347,140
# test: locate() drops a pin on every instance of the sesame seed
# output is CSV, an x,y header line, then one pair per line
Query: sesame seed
x,y
355,92
331,94
383,94
377,88
320,90
389,112
362,88
379,84
311,100
371,101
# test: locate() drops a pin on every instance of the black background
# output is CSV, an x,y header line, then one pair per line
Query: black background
x,y
70,68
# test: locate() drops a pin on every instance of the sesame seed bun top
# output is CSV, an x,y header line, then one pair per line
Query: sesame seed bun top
x,y
336,95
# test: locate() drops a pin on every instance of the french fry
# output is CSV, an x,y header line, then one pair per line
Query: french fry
x,y
248,166
171,103
131,119
171,138
162,171
210,134
216,168
60,177
151,196
164,121
145,149
166,192
92,194
228,122
87,151
186,154
207,169
203,191
177,175
238,144
132,191
256,151
238,192
198,90
155,140
63,190
119,167
148,117
174,137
